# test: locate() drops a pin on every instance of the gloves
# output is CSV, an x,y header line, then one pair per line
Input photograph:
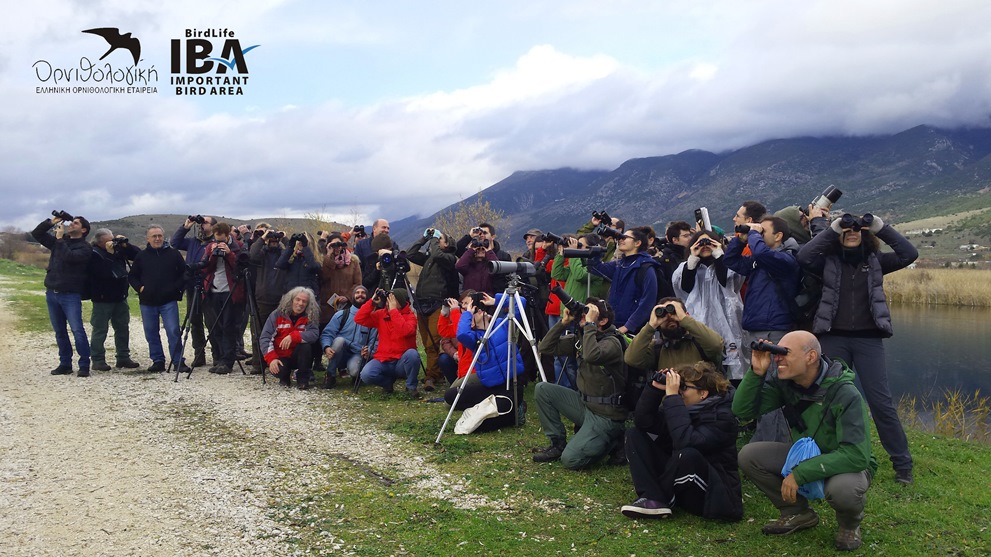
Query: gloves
x,y
835,225
876,225
717,253
693,261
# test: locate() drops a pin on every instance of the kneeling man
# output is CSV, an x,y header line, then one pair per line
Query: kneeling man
x,y
288,337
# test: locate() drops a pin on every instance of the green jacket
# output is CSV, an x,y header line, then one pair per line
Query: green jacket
x,y
601,372
589,228
640,354
843,434
574,276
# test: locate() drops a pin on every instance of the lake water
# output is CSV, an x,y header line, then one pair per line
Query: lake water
x,y
935,348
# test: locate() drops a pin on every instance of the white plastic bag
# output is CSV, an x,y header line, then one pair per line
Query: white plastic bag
x,y
473,417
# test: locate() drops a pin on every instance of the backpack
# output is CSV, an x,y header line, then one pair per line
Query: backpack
x,y
660,277
635,378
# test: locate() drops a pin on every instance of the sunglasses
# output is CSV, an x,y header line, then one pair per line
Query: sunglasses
x,y
337,245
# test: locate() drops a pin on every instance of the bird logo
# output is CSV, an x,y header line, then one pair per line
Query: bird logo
x,y
116,40
230,63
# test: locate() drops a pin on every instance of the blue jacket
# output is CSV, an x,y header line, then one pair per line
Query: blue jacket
x,y
631,303
492,365
356,336
764,309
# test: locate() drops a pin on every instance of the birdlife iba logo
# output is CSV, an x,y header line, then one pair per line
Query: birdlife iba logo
x,y
93,77
198,69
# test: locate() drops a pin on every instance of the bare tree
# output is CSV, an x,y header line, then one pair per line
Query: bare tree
x,y
460,220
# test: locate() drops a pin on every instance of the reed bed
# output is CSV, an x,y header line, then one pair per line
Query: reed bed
x,y
952,287
956,414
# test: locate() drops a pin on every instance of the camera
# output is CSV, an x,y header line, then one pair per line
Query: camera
x,y
702,219
741,229
359,231
198,219
608,231
667,309
298,237
850,221
63,215
119,241
575,307
594,251
764,346
551,237
602,216
476,243
395,260
826,199
523,269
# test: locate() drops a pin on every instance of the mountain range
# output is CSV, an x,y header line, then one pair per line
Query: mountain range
x,y
919,172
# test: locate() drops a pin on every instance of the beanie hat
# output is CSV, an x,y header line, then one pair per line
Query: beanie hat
x,y
382,241
402,297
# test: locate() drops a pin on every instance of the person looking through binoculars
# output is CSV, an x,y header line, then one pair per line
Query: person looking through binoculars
x,y
108,278
672,338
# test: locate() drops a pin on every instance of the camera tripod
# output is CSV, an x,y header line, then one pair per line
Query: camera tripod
x,y
194,309
515,308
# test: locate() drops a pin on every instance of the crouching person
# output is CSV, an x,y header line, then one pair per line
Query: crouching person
x,y
395,356
289,336
682,450
821,401
596,408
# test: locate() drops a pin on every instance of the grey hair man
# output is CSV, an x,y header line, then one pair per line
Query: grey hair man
x,y
288,337
108,280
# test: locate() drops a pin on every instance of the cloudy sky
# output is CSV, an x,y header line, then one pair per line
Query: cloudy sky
x,y
395,108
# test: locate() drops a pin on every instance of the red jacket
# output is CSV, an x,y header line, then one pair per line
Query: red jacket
x,y
396,329
230,264
447,327
279,326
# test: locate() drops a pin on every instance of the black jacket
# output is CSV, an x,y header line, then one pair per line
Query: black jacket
x,y
162,273
68,264
710,428
108,273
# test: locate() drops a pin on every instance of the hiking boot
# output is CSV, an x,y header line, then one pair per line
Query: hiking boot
x,y
618,455
125,364
428,385
791,523
241,355
157,366
100,366
848,539
83,372
183,368
414,393
904,477
645,508
62,370
199,360
222,369
303,386
550,453
389,388
329,382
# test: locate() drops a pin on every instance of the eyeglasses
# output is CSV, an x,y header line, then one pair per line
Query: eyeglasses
x,y
685,386
337,245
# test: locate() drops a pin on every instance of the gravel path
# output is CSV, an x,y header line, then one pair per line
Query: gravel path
x,y
135,464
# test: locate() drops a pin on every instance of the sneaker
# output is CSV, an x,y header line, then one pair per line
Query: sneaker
x,y
199,360
157,366
100,366
83,372
848,539
428,385
792,523
904,477
126,364
645,508
62,370
550,453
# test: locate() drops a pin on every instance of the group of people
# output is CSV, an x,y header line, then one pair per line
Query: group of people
x,y
689,334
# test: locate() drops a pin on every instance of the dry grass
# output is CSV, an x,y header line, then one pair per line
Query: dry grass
x,y
955,415
955,287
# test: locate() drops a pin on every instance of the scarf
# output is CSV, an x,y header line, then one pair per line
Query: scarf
x,y
343,259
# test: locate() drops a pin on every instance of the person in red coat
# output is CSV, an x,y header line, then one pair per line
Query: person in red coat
x,y
396,355
288,337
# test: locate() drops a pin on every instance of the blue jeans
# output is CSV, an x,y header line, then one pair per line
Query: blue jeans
x,y
343,355
67,307
384,374
449,367
169,314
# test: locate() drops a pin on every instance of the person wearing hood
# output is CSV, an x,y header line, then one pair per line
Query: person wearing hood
x,y
438,281
158,274
823,404
682,450
712,295
396,355
853,317
634,282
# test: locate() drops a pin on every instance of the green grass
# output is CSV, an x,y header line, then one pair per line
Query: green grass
x,y
543,509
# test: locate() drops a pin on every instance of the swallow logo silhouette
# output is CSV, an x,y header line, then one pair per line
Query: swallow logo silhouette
x,y
116,40
230,63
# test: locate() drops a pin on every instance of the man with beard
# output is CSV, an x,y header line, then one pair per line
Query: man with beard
x,y
288,336
346,342
194,248
672,338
